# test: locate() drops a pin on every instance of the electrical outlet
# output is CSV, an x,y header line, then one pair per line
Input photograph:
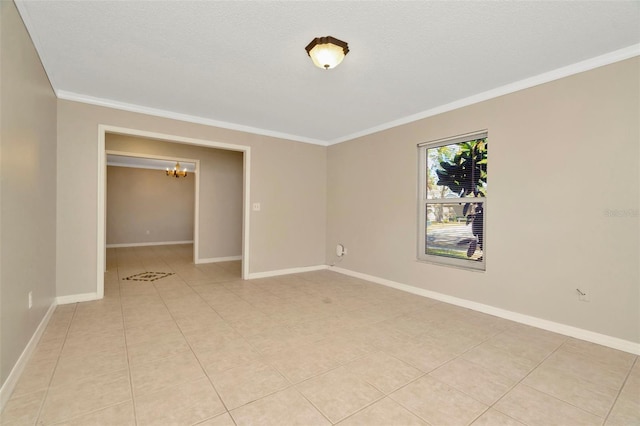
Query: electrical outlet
x,y
256,207
30,299
341,250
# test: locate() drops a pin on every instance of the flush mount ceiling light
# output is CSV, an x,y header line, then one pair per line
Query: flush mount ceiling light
x,y
176,172
327,52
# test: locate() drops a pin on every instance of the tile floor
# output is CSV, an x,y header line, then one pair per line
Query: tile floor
x,y
203,347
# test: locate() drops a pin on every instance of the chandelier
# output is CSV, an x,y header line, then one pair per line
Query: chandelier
x,y
176,172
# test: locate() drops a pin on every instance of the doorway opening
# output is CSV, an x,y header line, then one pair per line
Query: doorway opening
x,y
143,209
104,130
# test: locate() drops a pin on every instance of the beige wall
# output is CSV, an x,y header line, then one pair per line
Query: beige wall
x,y
287,177
221,189
146,206
27,189
560,156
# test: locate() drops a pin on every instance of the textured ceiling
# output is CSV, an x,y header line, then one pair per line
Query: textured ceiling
x,y
242,64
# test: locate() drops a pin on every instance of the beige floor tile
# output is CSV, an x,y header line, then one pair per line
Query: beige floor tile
x,y
48,349
286,407
186,305
186,404
497,360
495,418
342,340
163,330
573,389
190,274
55,336
174,370
302,363
82,367
423,356
253,324
70,401
64,310
454,343
121,415
385,412
104,307
36,376
86,344
438,403
220,351
55,332
232,311
345,347
384,372
625,412
380,335
275,339
525,346
200,318
147,316
221,360
22,410
246,383
321,328
109,312
479,383
463,328
533,407
590,370
94,326
145,301
608,356
172,285
339,393
632,385
411,326
134,288
155,350
212,338
221,420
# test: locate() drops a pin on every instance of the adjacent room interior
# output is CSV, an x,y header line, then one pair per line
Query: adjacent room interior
x,y
443,228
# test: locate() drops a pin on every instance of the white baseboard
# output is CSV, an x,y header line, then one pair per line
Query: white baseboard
x,y
12,380
76,298
164,243
567,330
275,273
218,259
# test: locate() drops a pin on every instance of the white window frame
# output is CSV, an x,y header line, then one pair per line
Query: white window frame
x,y
475,265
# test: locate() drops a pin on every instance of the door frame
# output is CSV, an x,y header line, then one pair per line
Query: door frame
x,y
103,129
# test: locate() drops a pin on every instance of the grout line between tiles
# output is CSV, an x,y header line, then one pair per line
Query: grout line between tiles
x,y
126,349
46,393
523,379
197,358
635,361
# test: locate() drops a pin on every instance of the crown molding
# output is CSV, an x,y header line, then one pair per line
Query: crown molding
x,y
586,65
589,64
109,103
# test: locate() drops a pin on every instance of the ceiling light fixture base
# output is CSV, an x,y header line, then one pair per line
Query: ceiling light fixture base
x,y
327,52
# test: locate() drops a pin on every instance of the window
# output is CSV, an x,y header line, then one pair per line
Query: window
x,y
453,201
